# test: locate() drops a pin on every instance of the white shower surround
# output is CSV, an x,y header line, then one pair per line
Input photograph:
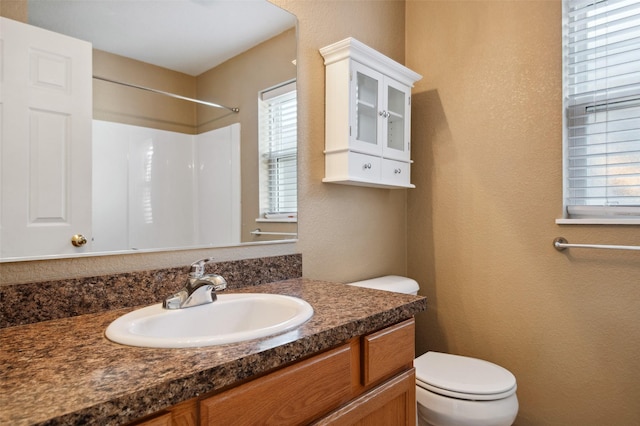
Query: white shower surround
x,y
159,189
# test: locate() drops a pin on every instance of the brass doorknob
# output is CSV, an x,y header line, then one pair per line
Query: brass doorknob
x,y
78,240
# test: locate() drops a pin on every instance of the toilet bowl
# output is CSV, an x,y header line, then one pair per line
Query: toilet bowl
x,y
454,390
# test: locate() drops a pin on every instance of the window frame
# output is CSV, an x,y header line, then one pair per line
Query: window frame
x,y
586,214
266,157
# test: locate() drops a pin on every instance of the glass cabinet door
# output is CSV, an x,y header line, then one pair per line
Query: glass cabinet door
x,y
397,121
366,127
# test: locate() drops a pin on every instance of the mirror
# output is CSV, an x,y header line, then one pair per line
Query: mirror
x,y
160,179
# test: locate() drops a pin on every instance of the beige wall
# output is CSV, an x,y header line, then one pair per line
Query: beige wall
x,y
487,144
14,9
123,104
346,233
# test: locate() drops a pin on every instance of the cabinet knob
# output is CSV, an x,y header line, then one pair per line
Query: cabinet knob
x,y
78,240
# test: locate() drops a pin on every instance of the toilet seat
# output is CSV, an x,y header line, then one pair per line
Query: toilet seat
x,y
463,377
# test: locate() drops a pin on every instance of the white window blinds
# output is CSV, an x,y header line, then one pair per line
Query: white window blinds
x,y
602,107
278,152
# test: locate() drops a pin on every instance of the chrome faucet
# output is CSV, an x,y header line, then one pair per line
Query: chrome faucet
x,y
199,288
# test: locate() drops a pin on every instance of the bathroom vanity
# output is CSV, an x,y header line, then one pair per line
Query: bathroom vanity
x,y
352,360
370,378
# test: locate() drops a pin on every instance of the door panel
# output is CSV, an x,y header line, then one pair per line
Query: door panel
x,y
46,107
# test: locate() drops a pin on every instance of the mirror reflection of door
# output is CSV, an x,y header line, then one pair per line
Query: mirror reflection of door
x,y
264,62
46,197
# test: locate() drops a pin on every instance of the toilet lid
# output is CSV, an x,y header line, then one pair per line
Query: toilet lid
x,y
390,283
463,377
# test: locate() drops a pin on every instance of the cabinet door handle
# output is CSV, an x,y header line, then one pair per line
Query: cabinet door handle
x,y
384,114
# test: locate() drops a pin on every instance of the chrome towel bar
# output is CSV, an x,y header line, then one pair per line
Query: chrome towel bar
x,y
259,232
561,244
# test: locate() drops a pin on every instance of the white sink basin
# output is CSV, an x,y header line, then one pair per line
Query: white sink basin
x,y
230,319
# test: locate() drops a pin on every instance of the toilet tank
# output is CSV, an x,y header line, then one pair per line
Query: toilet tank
x,y
393,283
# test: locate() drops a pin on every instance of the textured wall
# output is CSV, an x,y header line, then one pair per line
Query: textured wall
x,y
346,233
488,145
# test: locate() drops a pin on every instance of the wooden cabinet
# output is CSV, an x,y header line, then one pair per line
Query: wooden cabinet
x,y
291,396
183,414
367,117
387,352
391,403
369,380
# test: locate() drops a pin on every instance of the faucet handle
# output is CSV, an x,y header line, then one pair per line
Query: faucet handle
x,y
197,267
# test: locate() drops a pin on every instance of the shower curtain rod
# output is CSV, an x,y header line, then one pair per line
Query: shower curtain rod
x,y
172,95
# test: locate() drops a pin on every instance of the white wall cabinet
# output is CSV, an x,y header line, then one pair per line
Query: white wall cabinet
x,y
367,117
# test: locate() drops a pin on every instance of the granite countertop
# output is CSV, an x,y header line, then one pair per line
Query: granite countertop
x,y
65,371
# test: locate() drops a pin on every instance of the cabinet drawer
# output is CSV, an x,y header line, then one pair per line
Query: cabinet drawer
x,y
163,419
388,352
396,172
182,414
391,403
364,167
294,395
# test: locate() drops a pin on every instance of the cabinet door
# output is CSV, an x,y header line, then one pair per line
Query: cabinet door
x,y
293,395
366,109
397,121
391,403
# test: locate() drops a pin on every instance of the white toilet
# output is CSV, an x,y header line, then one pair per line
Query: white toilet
x,y
453,390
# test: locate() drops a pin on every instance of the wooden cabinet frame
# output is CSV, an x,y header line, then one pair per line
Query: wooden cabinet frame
x,y
368,380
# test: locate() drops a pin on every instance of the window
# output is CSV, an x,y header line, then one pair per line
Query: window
x,y
278,149
601,72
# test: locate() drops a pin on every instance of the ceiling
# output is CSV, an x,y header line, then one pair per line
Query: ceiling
x,y
190,36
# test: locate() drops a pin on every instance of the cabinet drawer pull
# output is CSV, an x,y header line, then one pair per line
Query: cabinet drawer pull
x,y
366,166
397,171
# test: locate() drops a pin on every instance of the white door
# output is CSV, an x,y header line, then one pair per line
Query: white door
x,y
45,140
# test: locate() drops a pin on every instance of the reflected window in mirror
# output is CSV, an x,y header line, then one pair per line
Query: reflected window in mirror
x,y
278,153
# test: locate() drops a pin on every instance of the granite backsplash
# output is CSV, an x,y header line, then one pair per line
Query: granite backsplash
x,y
43,301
